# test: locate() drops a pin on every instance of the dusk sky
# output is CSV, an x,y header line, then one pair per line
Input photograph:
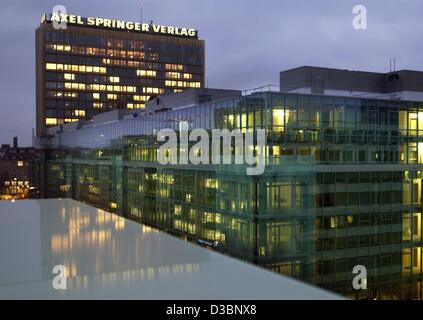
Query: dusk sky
x,y
247,42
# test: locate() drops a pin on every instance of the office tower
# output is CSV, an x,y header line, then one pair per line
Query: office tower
x,y
92,65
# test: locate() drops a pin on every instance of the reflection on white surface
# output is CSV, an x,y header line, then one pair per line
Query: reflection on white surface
x,y
107,257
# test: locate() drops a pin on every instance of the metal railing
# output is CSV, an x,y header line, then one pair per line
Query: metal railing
x,y
262,89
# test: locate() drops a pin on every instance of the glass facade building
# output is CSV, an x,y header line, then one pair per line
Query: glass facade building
x,y
85,70
342,185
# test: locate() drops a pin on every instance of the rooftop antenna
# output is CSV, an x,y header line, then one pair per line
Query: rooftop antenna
x,y
141,14
395,64
390,64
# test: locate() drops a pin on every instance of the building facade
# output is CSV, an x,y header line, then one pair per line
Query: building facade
x,y
19,172
93,65
341,186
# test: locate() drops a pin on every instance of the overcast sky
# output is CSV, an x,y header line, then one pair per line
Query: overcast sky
x,y
247,41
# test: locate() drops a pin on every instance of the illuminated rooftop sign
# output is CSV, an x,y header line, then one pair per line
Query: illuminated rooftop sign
x,y
69,19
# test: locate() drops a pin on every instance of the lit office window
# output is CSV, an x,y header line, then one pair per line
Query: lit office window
x,y
170,83
131,89
59,47
120,88
183,84
69,76
152,90
51,66
146,73
173,75
20,163
93,51
113,205
75,68
139,105
141,98
114,79
79,113
74,85
135,105
211,183
131,63
194,84
170,66
70,120
70,95
51,121
280,117
100,87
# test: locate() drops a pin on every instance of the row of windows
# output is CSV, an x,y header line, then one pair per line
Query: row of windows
x,y
283,118
185,84
14,183
155,66
56,121
101,52
131,58
112,79
62,94
54,116
54,106
70,113
135,105
91,87
96,69
171,75
147,77
124,64
146,73
75,68
165,44
91,96
353,242
326,154
330,267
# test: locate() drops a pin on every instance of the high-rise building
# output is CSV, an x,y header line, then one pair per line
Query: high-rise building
x,y
86,66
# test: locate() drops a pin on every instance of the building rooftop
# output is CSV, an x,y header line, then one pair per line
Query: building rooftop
x,y
393,85
107,256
